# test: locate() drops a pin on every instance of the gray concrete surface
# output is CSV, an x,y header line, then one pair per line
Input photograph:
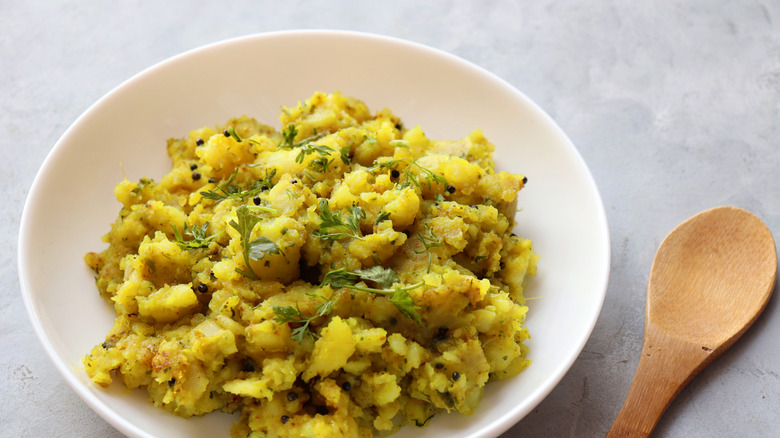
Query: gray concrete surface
x,y
673,104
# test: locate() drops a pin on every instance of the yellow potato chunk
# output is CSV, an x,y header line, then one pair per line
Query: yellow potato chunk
x,y
168,303
332,350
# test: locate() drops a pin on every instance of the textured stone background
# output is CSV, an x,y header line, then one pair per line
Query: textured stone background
x,y
673,104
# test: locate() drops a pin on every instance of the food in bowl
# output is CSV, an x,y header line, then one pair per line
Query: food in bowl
x,y
341,277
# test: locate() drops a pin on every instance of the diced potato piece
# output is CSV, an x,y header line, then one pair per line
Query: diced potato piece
x,y
332,350
268,336
168,303
212,343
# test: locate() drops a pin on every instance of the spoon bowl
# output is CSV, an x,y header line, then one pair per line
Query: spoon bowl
x,y
711,278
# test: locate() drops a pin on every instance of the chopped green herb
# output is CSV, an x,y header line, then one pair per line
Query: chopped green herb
x,y
232,131
261,247
345,154
385,278
333,227
404,303
308,147
398,143
290,132
429,240
425,176
228,190
383,215
293,314
321,164
198,235
253,249
143,182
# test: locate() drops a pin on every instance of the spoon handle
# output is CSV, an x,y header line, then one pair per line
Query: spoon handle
x,y
666,365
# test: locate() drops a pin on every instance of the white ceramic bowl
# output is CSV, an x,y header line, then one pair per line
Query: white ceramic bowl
x,y
71,202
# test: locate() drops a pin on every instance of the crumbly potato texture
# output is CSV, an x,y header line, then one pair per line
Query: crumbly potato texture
x,y
341,277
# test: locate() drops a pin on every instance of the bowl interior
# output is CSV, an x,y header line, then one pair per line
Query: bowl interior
x,y
71,202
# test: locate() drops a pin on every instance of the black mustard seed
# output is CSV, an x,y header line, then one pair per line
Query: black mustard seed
x,y
441,334
248,366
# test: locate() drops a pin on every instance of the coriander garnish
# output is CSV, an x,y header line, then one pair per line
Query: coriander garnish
x,y
253,249
228,190
292,314
427,176
232,132
333,227
341,278
198,236
385,278
429,240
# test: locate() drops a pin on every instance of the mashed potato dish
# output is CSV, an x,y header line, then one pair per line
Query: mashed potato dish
x,y
340,277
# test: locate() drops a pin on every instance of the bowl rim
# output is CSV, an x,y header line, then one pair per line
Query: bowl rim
x,y
505,422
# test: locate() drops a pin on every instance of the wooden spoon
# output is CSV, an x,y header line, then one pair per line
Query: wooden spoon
x,y
711,278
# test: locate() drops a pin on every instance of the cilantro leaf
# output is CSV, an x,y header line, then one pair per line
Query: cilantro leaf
x,y
384,277
416,179
310,148
383,215
228,190
404,303
338,278
290,132
232,132
353,220
429,240
333,227
262,246
284,314
198,235
344,152
254,249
